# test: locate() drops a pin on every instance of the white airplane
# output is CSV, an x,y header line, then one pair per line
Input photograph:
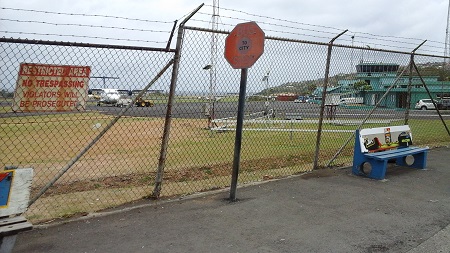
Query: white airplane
x,y
109,96
113,97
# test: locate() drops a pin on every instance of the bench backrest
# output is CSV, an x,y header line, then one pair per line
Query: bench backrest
x,y
384,138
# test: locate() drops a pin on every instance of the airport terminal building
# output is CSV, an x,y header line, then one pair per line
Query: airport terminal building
x,y
381,76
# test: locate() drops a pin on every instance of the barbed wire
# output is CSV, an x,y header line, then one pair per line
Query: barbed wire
x,y
311,30
82,25
327,27
283,20
379,45
397,37
361,42
86,15
284,26
400,40
83,36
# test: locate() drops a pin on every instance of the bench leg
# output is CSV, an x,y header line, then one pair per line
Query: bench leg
x,y
358,162
420,161
378,169
357,168
7,243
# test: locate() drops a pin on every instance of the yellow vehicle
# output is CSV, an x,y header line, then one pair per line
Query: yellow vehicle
x,y
141,102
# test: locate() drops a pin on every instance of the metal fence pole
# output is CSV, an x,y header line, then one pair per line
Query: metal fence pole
x,y
98,137
432,100
367,117
173,83
324,94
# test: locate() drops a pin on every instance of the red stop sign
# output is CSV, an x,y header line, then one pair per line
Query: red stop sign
x,y
244,45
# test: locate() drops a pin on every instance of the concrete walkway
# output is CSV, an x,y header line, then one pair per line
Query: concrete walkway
x,y
439,242
324,211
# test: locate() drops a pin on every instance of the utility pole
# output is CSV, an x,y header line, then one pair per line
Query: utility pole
x,y
447,37
446,52
266,80
104,79
212,70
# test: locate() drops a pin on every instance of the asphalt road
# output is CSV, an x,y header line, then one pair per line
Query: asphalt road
x,y
322,211
229,109
195,110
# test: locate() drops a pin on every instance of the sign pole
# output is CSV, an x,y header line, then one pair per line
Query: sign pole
x,y
243,47
238,138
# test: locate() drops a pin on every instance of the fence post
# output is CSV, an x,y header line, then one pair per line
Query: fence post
x,y
173,83
98,137
352,136
408,93
432,100
324,94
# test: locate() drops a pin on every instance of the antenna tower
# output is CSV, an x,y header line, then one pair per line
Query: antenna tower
x,y
447,38
212,70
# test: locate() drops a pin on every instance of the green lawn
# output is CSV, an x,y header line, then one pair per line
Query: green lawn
x,y
197,159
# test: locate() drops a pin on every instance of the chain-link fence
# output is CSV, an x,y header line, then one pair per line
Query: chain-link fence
x,y
115,169
299,115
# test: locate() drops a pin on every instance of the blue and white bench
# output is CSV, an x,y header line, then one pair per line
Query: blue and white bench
x,y
377,146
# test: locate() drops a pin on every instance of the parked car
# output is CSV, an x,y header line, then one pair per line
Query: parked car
x,y
351,100
444,104
425,104
314,100
301,99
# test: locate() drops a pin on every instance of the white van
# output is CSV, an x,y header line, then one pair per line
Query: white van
x,y
353,100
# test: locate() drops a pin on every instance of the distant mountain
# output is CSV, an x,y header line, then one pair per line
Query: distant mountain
x,y
304,87
434,69
307,87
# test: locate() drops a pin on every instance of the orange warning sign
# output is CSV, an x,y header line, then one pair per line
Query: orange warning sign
x,y
43,87
244,45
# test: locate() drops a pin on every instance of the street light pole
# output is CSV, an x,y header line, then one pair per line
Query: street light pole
x,y
266,79
211,97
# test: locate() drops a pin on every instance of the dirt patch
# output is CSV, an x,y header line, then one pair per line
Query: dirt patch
x,y
320,173
181,175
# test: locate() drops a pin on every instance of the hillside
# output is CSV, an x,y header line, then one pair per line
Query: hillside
x,y
308,86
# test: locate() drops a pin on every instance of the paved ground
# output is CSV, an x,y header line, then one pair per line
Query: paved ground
x,y
324,211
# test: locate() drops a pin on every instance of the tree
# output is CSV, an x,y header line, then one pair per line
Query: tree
x,y
6,94
362,86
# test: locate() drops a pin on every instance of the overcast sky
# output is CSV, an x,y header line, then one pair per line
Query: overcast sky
x,y
420,19
388,24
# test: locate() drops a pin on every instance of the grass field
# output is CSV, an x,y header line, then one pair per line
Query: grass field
x,y
121,166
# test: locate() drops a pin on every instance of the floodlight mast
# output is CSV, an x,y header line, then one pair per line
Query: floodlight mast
x,y
213,60
446,63
266,80
447,39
